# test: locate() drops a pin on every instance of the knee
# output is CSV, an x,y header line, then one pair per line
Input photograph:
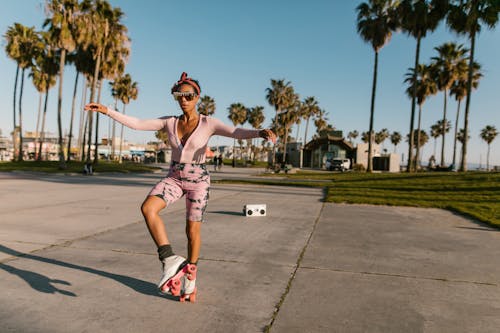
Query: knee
x,y
148,210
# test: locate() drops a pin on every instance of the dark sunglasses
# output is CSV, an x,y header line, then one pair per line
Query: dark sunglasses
x,y
189,96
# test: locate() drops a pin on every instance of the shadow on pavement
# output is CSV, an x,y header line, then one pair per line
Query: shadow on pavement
x,y
45,284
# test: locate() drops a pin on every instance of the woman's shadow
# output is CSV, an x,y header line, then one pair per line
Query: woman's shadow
x,y
45,284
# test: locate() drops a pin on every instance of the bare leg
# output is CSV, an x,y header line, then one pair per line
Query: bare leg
x,y
193,232
151,208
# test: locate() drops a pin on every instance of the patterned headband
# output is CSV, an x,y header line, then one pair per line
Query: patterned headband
x,y
186,80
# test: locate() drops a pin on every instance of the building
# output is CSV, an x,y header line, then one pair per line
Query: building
x,y
317,151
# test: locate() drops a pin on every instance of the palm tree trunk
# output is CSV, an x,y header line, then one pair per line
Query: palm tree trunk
x,y
96,141
409,167
463,164
37,130
15,95
307,127
444,127
83,119
113,134
278,111
285,142
92,97
84,139
372,111
42,132
62,163
488,158
21,154
455,136
298,130
417,153
72,116
121,135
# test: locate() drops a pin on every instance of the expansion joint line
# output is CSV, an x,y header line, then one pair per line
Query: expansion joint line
x,y
277,308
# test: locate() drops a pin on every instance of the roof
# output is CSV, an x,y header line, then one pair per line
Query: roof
x,y
329,139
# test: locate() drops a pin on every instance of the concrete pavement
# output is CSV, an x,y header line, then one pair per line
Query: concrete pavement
x,y
75,256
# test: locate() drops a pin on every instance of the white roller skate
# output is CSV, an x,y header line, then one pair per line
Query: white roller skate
x,y
189,284
171,266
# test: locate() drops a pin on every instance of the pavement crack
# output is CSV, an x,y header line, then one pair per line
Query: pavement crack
x,y
277,308
403,276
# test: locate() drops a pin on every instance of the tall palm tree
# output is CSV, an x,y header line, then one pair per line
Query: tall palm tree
x,y
488,134
256,117
12,37
238,114
459,90
396,139
445,127
381,136
417,18
310,109
278,97
467,18
61,24
435,133
423,85
445,68
375,23
43,73
128,90
206,105
23,44
289,117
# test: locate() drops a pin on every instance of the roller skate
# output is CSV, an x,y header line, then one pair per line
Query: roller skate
x,y
176,285
171,266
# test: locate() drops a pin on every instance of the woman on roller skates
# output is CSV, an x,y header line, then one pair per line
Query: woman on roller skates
x,y
188,135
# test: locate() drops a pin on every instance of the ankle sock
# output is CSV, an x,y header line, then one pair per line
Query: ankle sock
x,y
165,251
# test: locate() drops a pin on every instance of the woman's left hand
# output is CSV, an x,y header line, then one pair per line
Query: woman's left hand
x,y
268,135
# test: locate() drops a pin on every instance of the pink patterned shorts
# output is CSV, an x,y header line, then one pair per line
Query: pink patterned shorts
x,y
189,179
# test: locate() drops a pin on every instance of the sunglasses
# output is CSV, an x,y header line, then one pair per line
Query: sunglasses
x,y
189,96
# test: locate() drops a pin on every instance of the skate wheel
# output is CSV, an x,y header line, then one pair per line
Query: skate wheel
x,y
183,298
176,283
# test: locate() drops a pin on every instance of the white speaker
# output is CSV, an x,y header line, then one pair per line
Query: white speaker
x,y
255,210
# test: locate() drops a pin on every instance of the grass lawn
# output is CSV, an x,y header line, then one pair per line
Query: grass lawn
x,y
473,194
74,167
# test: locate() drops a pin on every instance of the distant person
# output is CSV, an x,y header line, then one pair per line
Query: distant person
x,y
216,162
220,163
188,136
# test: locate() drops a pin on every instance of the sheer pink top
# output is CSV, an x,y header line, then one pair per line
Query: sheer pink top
x,y
194,149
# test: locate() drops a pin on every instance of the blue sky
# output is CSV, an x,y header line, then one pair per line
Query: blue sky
x,y
235,47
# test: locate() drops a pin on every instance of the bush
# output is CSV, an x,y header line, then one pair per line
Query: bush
x,y
358,167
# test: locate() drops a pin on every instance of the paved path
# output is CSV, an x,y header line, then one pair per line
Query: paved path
x,y
75,256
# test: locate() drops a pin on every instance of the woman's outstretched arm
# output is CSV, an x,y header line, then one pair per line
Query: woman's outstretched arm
x,y
241,133
131,122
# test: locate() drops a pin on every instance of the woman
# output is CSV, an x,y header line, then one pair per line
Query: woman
x,y
188,135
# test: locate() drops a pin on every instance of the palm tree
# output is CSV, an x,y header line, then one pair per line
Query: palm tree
x,y
12,37
23,44
352,136
488,134
376,22
466,18
435,132
278,97
61,24
423,85
289,117
256,117
310,109
381,136
416,18
238,114
321,122
396,139
445,68
421,138
206,105
127,90
459,90
43,73
365,137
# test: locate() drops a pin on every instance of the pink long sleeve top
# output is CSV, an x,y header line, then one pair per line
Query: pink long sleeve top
x,y
194,149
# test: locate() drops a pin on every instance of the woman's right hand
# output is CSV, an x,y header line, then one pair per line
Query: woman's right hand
x,y
96,107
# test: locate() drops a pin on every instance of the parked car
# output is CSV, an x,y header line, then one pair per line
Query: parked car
x,y
340,164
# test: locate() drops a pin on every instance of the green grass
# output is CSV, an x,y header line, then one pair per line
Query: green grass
x,y
74,167
473,194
